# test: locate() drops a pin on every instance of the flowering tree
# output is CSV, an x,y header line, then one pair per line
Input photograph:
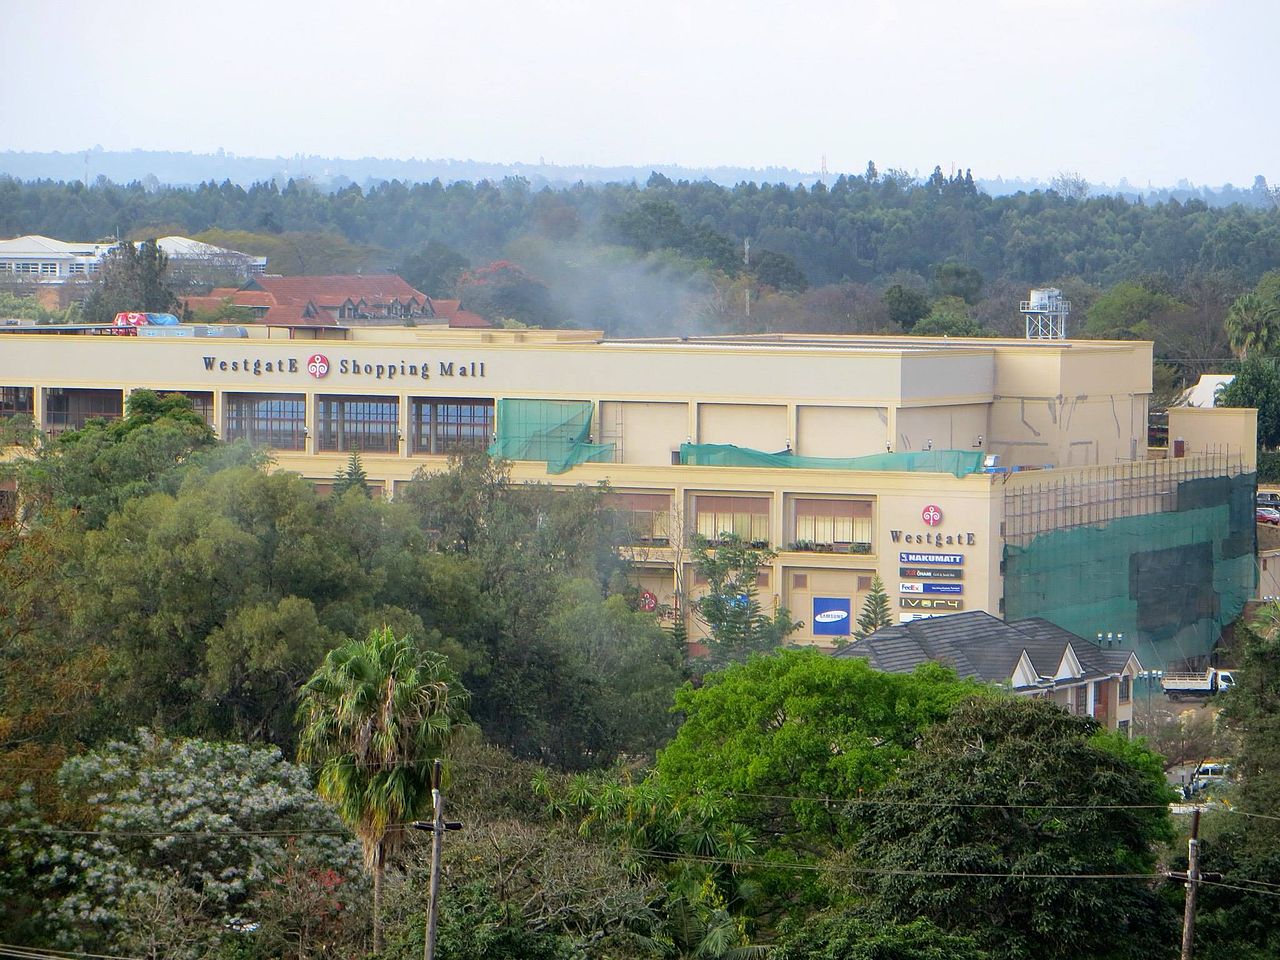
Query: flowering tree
x,y
190,831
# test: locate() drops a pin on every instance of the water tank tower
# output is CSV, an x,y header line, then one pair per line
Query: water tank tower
x,y
1046,314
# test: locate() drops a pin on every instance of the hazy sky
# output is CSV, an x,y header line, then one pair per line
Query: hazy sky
x,y
1151,90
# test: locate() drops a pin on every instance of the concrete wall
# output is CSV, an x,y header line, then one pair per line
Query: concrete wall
x,y
1229,430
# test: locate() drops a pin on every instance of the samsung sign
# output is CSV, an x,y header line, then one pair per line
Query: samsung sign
x,y
831,616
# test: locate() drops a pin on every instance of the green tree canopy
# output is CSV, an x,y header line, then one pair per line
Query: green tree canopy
x,y
1256,384
1253,325
133,278
849,936
803,725
372,718
731,607
1017,786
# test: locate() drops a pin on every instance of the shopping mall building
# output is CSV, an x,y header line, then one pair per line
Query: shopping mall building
x,y
1010,476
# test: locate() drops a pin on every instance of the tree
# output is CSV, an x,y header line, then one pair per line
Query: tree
x,y
238,814
780,272
958,280
906,306
95,469
351,477
949,317
501,290
1014,792
372,718
875,610
1245,847
804,725
1253,325
132,278
1129,311
731,608
850,936
1256,384
632,665
434,269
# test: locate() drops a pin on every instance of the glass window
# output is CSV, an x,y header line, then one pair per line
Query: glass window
x,y
360,424
839,526
67,409
745,517
647,516
277,420
451,426
17,400
1124,689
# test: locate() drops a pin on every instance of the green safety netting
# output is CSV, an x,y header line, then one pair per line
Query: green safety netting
x,y
960,463
1168,581
555,431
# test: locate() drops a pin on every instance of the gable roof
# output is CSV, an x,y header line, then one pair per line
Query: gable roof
x,y
335,289
452,311
977,645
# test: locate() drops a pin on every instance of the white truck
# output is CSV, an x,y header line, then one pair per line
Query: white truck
x,y
1210,681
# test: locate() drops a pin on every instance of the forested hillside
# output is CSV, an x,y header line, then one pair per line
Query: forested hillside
x,y
669,256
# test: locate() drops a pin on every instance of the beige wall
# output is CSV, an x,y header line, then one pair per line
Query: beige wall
x,y
644,432
757,426
949,427
841,431
1219,430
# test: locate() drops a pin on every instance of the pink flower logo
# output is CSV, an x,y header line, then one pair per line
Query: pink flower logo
x,y
931,515
317,365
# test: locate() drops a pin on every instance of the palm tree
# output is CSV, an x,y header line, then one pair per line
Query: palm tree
x,y
373,717
1252,325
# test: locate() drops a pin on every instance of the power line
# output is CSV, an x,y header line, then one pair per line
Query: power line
x,y
48,953
883,871
1232,886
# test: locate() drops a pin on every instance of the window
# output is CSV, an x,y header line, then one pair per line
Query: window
x,y
359,424
833,526
451,426
277,420
864,584
17,400
647,516
1123,727
1125,685
799,581
67,409
745,517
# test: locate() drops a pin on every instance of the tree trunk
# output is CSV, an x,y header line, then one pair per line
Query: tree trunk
x,y
379,866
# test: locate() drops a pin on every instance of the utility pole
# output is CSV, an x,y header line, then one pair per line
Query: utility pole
x,y
1193,877
437,826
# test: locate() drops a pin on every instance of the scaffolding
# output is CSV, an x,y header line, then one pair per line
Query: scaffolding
x,y
1161,551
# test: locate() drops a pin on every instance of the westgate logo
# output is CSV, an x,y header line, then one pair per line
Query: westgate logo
x,y
318,365
931,515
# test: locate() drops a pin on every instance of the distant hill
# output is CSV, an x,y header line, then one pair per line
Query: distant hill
x,y
185,169
158,167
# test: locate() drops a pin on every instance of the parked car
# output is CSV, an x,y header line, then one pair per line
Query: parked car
x,y
1267,515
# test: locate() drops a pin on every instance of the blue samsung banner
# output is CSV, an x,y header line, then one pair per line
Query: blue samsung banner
x,y
831,616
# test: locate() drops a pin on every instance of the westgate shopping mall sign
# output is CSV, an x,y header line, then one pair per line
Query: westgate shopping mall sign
x,y
319,366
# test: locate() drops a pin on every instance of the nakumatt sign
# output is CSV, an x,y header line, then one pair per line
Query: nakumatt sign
x,y
319,366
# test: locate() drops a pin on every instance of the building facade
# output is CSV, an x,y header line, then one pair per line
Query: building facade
x,y
1006,476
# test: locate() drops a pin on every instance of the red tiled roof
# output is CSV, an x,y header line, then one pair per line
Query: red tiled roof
x,y
294,314
452,311
335,289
